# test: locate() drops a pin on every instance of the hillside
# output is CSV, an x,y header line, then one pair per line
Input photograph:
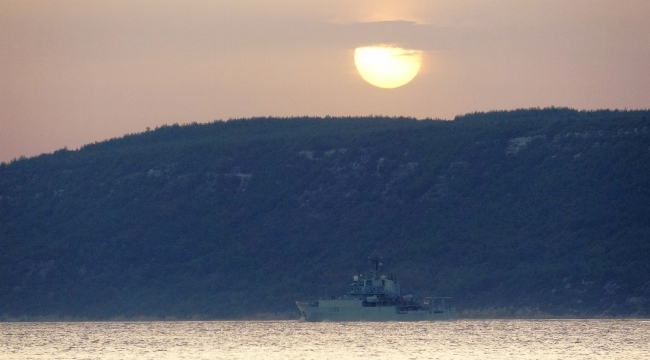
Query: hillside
x,y
521,213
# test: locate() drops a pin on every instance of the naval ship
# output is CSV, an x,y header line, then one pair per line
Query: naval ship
x,y
375,297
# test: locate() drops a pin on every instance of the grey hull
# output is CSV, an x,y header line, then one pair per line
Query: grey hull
x,y
352,310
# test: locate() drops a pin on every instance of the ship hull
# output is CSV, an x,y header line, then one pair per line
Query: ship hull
x,y
352,310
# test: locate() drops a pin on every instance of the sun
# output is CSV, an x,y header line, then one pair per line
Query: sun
x,y
387,66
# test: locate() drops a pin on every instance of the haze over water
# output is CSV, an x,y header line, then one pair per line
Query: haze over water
x,y
490,339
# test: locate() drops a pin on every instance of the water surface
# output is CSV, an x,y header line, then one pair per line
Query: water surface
x,y
463,339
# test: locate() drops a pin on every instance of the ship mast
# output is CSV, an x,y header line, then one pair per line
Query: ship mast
x,y
375,263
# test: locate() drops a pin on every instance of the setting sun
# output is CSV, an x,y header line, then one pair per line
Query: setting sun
x,y
387,66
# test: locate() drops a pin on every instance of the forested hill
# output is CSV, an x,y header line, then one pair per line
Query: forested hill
x,y
521,213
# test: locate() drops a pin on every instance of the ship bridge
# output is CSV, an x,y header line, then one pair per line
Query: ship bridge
x,y
386,286
371,285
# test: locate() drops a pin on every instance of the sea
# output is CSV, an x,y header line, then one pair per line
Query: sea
x,y
457,339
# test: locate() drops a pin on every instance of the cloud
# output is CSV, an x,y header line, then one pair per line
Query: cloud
x,y
94,69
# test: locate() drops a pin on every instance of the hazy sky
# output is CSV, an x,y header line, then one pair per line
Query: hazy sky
x,y
78,71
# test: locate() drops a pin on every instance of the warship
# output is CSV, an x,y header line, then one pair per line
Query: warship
x,y
375,297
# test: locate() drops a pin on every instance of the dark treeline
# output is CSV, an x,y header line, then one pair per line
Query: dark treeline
x,y
541,212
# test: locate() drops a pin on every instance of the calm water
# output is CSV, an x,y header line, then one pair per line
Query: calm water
x,y
492,339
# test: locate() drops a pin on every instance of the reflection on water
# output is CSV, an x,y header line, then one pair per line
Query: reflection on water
x,y
492,339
